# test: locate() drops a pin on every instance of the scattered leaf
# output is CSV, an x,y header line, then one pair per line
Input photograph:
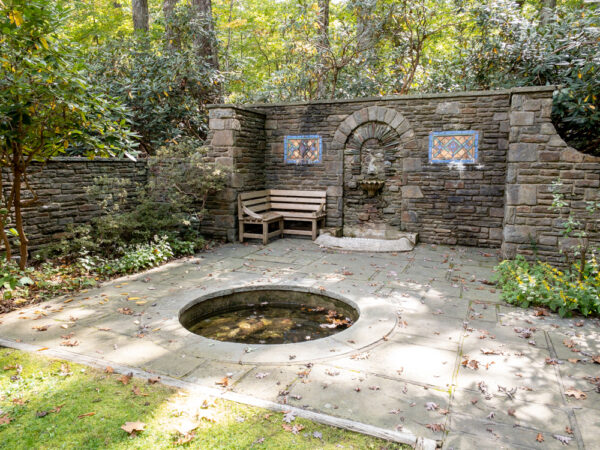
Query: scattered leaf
x,y
562,439
133,427
436,427
125,378
81,416
579,395
539,437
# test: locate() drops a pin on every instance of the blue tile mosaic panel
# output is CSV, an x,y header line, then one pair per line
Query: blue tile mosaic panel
x,y
303,149
453,146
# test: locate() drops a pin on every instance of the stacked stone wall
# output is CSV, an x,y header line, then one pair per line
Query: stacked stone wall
x,y
440,202
61,188
237,141
537,157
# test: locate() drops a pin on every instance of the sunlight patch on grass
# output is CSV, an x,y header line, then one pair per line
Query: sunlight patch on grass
x,y
49,403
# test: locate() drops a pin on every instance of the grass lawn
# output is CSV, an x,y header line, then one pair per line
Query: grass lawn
x,y
49,403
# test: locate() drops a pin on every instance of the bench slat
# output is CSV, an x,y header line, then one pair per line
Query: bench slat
x,y
255,201
290,193
295,206
253,194
318,201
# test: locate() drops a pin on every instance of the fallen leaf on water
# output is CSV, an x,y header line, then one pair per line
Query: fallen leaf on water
x,y
579,395
81,416
539,437
133,427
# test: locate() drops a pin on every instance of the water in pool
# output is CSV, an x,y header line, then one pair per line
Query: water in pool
x,y
272,324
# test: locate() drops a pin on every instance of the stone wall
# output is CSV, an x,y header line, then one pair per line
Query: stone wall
x,y
443,204
61,184
500,201
237,140
538,156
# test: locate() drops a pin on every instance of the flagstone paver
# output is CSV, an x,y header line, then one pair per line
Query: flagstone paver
x,y
442,356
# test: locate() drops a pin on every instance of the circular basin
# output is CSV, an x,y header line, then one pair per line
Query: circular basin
x,y
268,316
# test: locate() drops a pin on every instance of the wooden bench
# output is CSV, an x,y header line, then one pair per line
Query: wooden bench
x,y
277,205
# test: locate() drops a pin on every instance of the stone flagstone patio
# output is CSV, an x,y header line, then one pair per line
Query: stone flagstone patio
x,y
446,361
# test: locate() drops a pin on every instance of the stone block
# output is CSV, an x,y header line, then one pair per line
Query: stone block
x,y
221,113
223,138
448,108
270,124
518,234
335,191
522,152
571,155
226,161
521,118
411,164
412,192
372,113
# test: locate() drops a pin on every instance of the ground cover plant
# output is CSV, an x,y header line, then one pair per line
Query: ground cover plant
x,y
573,288
49,403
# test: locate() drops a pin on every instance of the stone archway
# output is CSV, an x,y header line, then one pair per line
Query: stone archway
x,y
373,141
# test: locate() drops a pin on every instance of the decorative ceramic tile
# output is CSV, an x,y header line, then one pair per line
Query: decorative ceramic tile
x,y
453,146
302,149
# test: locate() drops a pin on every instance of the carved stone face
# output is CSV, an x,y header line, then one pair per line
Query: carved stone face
x,y
373,160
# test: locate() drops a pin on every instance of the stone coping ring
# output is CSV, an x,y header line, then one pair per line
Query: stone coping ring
x,y
377,319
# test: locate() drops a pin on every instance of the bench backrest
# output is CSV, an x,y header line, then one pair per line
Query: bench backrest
x,y
281,200
256,201
298,201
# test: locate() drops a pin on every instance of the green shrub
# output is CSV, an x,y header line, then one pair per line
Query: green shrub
x,y
138,257
524,284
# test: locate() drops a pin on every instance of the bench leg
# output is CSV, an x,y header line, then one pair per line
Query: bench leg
x,y
241,231
265,233
314,229
281,228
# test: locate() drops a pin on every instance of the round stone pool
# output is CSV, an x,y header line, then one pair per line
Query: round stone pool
x,y
268,316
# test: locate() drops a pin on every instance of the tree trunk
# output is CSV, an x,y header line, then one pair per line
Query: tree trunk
x,y
139,8
205,42
170,35
323,45
548,7
23,241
